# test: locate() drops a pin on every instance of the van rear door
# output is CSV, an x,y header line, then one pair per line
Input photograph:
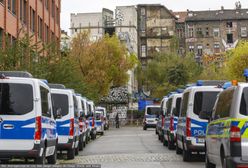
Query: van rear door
x,y
17,114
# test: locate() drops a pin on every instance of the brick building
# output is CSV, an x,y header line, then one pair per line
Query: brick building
x,y
156,27
40,19
212,32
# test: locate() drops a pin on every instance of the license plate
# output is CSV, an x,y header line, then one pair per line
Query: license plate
x,y
149,121
200,140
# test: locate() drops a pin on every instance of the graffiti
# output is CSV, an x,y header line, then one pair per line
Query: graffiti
x,y
117,95
121,111
119,17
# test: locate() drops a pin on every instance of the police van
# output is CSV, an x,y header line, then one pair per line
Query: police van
x,y
27,119
105,117
99,122
160,123
171,119
82,122
151,116
191,130
91,110
227,133
87,122
65,102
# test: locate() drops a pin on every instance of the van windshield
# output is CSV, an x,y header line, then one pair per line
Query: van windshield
x,y
204,101
153,110
177,108
60,101
15,99
244,102
98,116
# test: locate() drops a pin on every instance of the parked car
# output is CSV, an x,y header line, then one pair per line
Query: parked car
x,y
151,116
191,130
226,137
27,120
171,119
65,102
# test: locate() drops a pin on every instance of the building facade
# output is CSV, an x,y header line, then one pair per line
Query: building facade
x,y
156,28
210,33
39,19
97,24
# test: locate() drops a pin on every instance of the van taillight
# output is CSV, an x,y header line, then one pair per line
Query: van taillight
x,y
93,122
162,121
80,123
171,124
37,135
188,130
71,127
235,135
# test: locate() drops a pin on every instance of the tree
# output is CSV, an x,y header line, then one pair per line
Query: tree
x,y
238,61
103,63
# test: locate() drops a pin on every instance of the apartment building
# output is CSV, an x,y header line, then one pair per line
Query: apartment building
x,y
40,19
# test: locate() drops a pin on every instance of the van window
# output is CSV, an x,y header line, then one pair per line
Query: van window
x,y
168,105
46,110
177,109
244,102
16,99
60,101
224,103
75,106
184,104
98,116
204,101
153,110
83,109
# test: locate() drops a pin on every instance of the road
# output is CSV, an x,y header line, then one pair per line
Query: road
x,y
130,147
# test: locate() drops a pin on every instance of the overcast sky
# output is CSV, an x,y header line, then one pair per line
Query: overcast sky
x,y
84,6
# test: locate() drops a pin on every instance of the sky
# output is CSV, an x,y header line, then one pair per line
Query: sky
x,y
85,6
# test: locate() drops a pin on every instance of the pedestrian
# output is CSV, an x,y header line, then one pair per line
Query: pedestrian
x,y
117,120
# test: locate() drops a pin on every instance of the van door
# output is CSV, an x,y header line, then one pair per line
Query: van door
x,y
17,114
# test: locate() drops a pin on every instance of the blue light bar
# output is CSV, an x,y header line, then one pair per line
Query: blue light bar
x,y
227,85
199,83
179,90
246,73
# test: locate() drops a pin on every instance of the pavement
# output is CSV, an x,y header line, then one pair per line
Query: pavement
x,y
131,147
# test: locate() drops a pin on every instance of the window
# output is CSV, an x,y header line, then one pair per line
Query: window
x,y
199,32
229,38
60,101
1,37
216,32
244,102
143,51
191,48
224,103
217,47
184,106
45,107
153,110
13,7
9,4
16,99
199,50
25,8
176,111
47,4
190,31
32,20
75,106
57,15
143,11
204,101
53,8
243,32
83,108
40,26
207,32
229,24
2,1
168,107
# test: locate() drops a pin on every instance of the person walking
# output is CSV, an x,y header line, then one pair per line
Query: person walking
x,y
117,120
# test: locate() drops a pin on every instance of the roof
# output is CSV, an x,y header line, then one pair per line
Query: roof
x,y
217,15
181,16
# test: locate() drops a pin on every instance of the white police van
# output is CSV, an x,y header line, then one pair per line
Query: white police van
x,y
99,122
171,119
151,116
65,102
105,117
91,111
191,130
27,124
87,122
82,122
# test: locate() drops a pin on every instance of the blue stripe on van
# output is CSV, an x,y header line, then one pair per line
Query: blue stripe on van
x,y
200,130
63,130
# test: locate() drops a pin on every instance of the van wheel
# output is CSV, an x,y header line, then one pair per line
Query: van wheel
x,y
165,143
144,128
102,133
77,151
171,145
80,143
186,155
4,161
223,160
71,154
42,159
53,158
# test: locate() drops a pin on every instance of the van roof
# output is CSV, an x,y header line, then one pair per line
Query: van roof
x,y
19,74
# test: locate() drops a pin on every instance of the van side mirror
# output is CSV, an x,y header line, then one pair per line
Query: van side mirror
x,y
58,113
205,115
